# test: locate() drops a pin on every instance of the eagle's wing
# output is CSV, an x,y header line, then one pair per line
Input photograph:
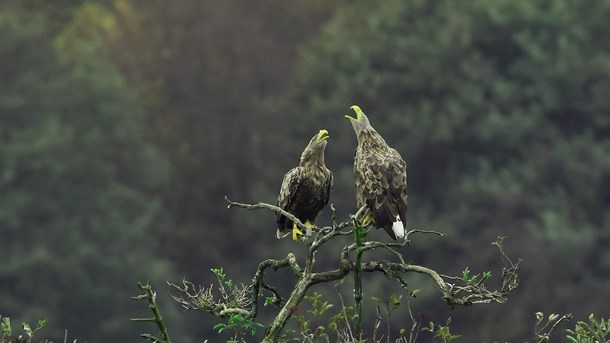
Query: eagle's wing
x,y
288,190
369,176
397,182
329,187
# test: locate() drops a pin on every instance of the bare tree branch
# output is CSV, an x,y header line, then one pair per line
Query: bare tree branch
x,y
274,208
454,290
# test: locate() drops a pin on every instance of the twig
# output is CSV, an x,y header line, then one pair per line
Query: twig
x,y
541,336
412,231
414,327
347,324
257,281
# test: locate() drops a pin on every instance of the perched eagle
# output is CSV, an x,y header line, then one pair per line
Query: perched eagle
x,y
306,188
381,178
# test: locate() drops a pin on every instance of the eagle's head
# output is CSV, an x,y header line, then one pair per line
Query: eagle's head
x,y
318,142
361,122
315,149
320,138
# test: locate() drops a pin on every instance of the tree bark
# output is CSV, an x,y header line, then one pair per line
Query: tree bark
x,y
275,329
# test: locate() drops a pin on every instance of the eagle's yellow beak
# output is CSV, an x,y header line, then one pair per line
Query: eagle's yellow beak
x,y
323,135
358,111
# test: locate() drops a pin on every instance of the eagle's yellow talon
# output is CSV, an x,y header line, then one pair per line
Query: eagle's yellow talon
x,y
309,224
296,233
368,219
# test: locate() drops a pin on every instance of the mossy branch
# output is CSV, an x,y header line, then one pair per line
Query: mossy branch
x,y
151,296
359,233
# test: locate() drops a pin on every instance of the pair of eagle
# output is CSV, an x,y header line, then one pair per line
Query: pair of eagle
x,y
379,171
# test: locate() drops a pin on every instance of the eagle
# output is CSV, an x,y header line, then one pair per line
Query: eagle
x,y
380,175
306,188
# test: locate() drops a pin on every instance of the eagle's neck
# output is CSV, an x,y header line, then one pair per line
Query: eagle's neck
x,y
314,169
369,139
312,159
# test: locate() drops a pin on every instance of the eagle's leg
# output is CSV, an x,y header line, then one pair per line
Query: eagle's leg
x,y
368,219
296,232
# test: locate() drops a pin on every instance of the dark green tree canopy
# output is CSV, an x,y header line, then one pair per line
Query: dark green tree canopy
x,y
501,111
78,185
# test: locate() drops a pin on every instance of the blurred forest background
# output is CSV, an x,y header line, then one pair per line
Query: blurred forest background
x,y
124,123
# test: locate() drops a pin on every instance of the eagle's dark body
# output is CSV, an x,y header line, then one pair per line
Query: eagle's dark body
x,y
380,176
305,189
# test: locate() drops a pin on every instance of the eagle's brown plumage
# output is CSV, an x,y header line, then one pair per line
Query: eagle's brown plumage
x,y
306,188
381,177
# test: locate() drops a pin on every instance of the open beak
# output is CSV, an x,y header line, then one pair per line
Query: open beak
x,y
358,113
323,135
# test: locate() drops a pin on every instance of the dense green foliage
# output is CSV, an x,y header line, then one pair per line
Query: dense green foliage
x,y
77,182
500,109
588,332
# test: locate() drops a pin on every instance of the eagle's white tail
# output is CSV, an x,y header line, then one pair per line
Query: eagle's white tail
x,y
398,228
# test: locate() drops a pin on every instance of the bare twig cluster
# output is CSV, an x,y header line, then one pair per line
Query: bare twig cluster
x,y
464,291
231,301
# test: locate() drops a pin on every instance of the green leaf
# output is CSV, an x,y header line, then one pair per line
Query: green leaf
x,y
28,330
220,327
41,323
395,300
5,325
499,242
465,273
268,301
